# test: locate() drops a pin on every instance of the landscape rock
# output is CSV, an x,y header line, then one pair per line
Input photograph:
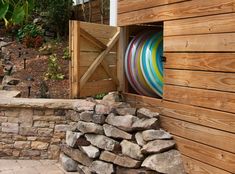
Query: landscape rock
x,y
102,109
72,137
158,146
160,134
146,113
121,170
126,111
86,127
83,169
119,160
8,80
86,116
83,105
76,155
112,97
122,122
131,149
103,142
10,127
101,167
73,115
169,162
139,139
98,119
38,145
68,164
114,132
90,151
145,124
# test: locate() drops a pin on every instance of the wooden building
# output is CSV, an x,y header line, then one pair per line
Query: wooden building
x,y
198,104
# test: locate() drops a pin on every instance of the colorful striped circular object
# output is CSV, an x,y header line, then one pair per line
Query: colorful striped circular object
x,y
143,64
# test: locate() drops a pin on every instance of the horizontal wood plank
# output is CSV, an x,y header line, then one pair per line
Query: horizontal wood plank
x,y
97,87
223,101
185,9
224,62
202,134
209,155
124,5
201,25
193,166
201,79
200,43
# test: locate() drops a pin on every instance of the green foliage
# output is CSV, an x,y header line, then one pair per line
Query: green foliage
x,y
100,96
66,55
53,71
29,30
15,11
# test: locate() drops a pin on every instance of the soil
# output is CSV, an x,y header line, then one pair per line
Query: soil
x,y
36,67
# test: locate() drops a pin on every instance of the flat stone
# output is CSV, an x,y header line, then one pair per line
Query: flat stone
x,y
68,164
160,134
99,119
83,169
86,127
90,151
9,94
37,145
102,109
146,113
131,149
122,122
145,124
84,105
62,127
121,170
22,144
120,160
126,111
158,146
8,80
139,139
103,142
73,115
169,162
10,127
76,155
72,137
101,167
114,132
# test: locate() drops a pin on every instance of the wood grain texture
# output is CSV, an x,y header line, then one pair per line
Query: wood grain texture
x,y
209,155
200,43
224,62
124,5
193,166
185,9
201,79
201,134
223,101
201,25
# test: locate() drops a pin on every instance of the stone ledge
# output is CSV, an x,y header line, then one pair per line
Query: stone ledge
x,y
39,103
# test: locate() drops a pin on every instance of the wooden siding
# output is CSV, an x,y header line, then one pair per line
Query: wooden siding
x,y
199,92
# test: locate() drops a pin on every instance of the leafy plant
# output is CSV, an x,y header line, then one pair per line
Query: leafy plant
x,y
100,96
15,11
66,55
53,71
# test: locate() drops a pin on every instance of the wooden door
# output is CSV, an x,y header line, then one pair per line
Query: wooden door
x,y
93,67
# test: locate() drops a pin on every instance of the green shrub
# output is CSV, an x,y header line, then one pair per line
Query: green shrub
x,y
53,71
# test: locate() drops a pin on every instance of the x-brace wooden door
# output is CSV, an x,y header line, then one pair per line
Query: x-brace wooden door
x,y
94,52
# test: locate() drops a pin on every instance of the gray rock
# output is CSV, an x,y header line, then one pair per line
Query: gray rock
x,y
103,142
160,134
99,119
139,139
114,132
72,137
90,151
146,113
73,115
10,128
126,111
76,155
68,164
119,160
122,122
112,97
86,116
83,169
83,105
101,167
168,162
85,127
8,80
102,109
158,146
131,149
145,124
